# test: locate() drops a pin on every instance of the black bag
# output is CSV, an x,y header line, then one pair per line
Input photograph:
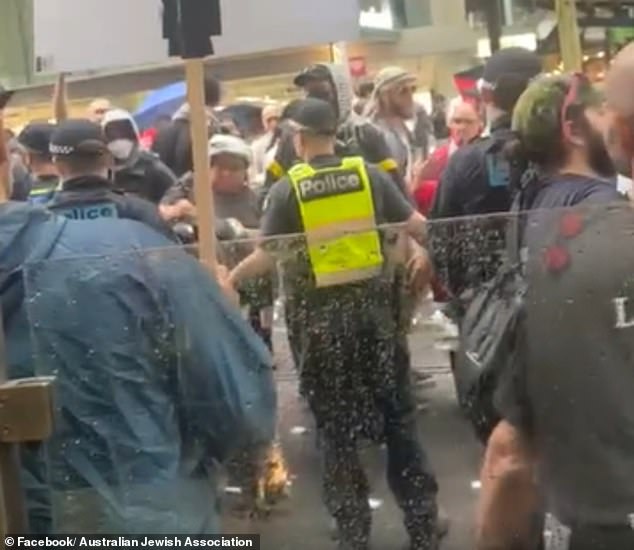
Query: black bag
x,y
488,335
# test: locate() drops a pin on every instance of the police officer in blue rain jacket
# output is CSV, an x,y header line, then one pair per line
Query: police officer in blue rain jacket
x,y
80,153
43,180
157,376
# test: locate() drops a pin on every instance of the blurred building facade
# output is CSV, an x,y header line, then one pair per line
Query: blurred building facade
x,y
432,38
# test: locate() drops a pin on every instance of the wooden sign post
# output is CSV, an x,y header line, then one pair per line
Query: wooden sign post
x,y
189,25
26,406
569,36
194,69
5,159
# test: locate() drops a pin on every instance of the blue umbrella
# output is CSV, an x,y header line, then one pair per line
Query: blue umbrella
x,y
161,102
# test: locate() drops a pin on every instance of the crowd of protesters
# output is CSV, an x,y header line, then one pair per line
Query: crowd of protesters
x,y
165,370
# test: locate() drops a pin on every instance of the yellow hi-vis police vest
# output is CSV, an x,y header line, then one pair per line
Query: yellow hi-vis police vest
x,y
337,211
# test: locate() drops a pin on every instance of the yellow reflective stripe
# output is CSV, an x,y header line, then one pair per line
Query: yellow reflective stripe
x,y
332,231
353,163
388,165
275,169
348,276
36,192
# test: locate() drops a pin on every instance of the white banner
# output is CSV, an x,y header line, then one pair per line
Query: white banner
x,y
85,35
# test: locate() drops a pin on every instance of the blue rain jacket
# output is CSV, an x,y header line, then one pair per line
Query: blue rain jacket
x,y
158,378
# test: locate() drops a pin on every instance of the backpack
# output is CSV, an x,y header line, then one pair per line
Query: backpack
x,y
498,167
488,335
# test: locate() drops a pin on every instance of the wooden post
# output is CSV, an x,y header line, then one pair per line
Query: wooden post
x,y
26,406
195,71
5,159
569,41
12,507
26,415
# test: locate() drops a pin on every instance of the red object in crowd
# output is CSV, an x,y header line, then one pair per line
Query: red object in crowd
x,y
425,190
358,67
146,139
424,195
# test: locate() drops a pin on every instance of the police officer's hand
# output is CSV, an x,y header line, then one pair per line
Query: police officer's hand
x,y
419,270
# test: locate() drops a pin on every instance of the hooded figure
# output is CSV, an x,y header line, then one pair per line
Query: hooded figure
x,y
173,144
356,136
135,171
157,376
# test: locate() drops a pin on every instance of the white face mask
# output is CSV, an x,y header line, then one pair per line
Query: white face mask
x,y
121,149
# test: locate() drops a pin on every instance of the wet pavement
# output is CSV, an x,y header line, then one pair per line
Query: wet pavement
x,y
301,522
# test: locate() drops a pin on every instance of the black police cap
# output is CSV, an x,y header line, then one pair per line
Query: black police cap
x,y
78,137
315,116
36,137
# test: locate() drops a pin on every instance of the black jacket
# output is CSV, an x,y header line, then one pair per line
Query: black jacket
x,y
144,176
173,145
477,181
79,193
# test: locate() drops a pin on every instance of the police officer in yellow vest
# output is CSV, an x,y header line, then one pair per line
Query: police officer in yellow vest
x,y
340,312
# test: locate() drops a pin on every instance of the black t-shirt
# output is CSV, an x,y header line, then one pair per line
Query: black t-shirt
x,y
571,392
572,189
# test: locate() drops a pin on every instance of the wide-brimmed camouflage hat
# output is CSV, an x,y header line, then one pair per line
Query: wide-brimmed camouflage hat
x,y
537,117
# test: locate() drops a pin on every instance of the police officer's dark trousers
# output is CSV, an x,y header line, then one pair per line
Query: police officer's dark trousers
x,y
409,476
358,387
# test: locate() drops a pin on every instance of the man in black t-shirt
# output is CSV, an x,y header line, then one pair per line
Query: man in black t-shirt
x,y
566,399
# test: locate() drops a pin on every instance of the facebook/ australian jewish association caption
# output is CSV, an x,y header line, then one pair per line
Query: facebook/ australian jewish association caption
x,y
141,541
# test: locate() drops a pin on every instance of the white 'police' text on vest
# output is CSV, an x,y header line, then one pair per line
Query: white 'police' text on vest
x,y
329,184
90,211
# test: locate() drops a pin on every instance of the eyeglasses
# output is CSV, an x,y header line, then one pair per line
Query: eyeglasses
x,y
572,97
